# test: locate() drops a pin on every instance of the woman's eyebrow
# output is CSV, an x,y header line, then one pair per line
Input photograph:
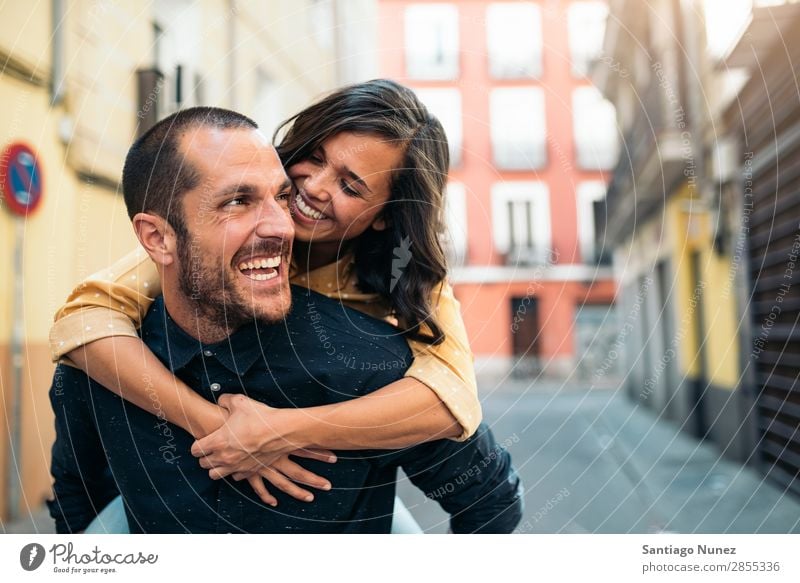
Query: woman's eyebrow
x,y
345,170
356,178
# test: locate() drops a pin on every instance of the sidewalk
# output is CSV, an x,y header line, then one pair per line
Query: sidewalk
x,y
38,522
592,461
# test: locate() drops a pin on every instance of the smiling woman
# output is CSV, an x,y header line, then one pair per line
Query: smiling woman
x,y
369,165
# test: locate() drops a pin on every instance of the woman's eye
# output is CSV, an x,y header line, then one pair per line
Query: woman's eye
x,y
348,190
315,158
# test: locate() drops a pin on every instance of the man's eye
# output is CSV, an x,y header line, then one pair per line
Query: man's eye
x,y
315,158
238,201
284,196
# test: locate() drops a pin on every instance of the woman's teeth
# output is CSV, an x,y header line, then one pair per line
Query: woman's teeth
x,y
270,263
306,210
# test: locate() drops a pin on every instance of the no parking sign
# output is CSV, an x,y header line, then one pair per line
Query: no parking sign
x,y
20,179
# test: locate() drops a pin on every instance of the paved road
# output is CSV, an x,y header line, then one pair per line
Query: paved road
x,y
592,461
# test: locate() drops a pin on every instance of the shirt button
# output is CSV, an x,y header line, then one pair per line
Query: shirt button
x,y
215,387
208,353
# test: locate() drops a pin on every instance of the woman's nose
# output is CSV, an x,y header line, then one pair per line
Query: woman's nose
x,y
317,184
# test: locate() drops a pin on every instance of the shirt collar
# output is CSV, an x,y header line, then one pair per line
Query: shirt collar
x,y
174,347
330,278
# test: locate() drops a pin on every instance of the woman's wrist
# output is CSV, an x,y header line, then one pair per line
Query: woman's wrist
x,y
290,429
205,418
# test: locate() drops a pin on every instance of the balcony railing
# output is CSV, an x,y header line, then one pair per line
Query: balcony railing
x,y
650,163
527,256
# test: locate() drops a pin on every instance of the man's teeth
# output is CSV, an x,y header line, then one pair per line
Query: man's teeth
x,y
263,263
307,210
263,276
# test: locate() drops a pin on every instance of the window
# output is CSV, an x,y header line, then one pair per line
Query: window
x,y
445,104
514,40
455,240
586,26
432,41
321,23
518,128
595,129
521,222
177,36
268,107
587,194
199,89
158,41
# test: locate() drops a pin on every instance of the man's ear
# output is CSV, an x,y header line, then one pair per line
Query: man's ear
x,y
157,238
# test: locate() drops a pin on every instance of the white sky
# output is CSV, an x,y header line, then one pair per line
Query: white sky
x,y
724,22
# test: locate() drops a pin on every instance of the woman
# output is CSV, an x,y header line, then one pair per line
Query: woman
x,y
369,163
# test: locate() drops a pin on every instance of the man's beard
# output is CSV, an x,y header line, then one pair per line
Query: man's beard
x,y
213,292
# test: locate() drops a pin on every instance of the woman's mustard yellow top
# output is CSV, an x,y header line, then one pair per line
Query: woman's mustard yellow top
x,y
113,302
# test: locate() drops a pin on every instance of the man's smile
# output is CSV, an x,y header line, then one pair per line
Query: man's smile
x,y
261,268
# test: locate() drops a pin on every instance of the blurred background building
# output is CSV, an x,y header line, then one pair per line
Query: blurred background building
x,y
532,143
702,216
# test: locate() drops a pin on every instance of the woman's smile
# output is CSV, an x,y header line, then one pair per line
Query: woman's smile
x,y
303,209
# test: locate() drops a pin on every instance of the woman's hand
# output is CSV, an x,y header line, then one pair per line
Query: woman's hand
x,y
253,437
282,474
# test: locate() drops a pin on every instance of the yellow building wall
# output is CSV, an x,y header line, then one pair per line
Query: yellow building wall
x,y
692,231
721,322
77,229
23,27
42,274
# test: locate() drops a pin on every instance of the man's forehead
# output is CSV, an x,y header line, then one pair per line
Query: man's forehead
x,y
235,149
223,139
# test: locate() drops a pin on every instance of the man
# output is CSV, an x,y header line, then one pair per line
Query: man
x,y
203,328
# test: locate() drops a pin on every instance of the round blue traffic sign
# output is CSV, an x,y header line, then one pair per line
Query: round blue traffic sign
x,y
21,177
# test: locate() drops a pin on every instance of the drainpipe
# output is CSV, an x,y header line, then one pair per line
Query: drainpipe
x,y
13,471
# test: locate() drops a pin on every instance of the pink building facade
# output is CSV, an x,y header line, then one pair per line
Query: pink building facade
x,y
532,144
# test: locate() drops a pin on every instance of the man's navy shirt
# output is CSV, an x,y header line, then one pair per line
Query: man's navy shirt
x,y
320,353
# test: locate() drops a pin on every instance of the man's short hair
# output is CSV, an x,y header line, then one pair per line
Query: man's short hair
x,y
157,175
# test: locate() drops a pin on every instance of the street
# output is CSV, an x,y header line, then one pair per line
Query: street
x,y
593,462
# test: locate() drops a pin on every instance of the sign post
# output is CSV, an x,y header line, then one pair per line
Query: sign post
x,y
21,186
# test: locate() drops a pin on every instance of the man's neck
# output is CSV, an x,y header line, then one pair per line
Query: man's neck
x,y
192,320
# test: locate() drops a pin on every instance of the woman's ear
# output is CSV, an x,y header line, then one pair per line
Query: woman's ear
x,y
381,223
156,236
